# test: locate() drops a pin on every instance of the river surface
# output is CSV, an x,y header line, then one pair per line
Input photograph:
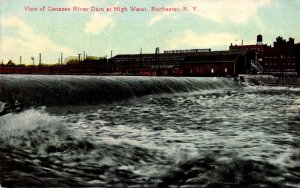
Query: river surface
x,y
148,132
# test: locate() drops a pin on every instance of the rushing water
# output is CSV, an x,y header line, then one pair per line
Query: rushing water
x,y
148,131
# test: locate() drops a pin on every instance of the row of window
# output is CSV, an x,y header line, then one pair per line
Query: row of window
x,y
282,57
187,51
256,49
147,59
275,64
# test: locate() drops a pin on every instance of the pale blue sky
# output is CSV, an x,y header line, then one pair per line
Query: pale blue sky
x,y
215,25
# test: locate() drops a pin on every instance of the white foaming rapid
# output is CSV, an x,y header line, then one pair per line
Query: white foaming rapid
x,y
14,127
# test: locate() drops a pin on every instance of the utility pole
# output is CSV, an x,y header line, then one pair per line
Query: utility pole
x,y
58,65
1,67
141,57
79,57
111,60
40,59
20,64
158,72
157,56
61,59
83,58
106,61
32,58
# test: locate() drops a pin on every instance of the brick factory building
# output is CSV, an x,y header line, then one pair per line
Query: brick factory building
x,y
221,63
168,63
194,62
281,59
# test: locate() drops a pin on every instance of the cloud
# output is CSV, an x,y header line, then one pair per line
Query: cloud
x,y
219,11
191,39
98,23
155,19
24,41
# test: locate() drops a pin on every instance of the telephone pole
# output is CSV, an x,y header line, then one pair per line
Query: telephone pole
x,y
40,59
79,57
61,59
32,58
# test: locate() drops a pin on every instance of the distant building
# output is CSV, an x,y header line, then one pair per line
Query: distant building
x,y
297,57
221,63
281,59
147,64
194,62
278,60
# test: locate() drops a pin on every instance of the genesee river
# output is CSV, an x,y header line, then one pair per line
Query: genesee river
x,y
148,131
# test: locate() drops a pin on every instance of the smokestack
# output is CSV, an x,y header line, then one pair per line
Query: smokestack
x,y
40,59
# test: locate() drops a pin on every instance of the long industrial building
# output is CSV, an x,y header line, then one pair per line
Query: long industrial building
x,y
194,62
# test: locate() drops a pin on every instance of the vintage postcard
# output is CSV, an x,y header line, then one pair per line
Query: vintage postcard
x,y
150,93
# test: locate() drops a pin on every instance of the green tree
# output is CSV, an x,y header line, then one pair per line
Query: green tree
x,y
10,63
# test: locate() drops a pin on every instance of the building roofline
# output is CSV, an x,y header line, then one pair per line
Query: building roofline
x,y
223,52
